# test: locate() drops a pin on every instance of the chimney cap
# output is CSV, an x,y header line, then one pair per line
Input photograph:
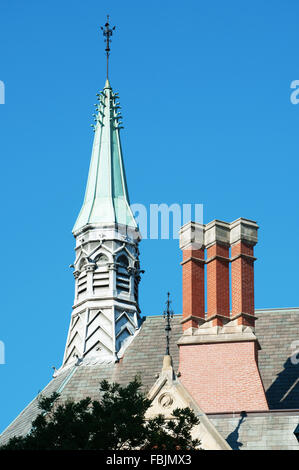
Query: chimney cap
x,y
244,230
217,231
192,236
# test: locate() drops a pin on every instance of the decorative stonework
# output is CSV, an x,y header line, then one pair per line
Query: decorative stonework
x,y
106,313
165,400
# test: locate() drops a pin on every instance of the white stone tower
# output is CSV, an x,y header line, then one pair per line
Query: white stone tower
x,y
105,314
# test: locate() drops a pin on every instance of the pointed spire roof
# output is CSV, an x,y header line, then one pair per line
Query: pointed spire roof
x,y
106,197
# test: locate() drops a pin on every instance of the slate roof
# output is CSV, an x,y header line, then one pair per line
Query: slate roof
x,y
259,431
276,330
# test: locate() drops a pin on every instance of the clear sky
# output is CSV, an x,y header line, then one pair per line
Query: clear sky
x,y
205,92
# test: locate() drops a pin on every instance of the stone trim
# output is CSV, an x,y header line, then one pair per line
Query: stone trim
x,y
194,318
217,338
228,414
192,258
243,255
223,318
92,299
218,257
243,314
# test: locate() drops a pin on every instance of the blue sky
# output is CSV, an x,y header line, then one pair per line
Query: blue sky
x,y
205,95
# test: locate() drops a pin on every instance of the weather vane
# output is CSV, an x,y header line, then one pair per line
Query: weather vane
x,y
167,315
107,33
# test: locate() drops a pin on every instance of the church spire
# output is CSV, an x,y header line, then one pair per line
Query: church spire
x,y
106,196
106,312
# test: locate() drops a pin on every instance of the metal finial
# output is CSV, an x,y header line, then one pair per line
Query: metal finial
x,y
107,33
167,315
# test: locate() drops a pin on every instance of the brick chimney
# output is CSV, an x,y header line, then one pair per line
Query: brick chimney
x,y
191,243
217,241
243,237
218,348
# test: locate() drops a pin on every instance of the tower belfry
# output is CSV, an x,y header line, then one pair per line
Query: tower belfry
x,y
106,313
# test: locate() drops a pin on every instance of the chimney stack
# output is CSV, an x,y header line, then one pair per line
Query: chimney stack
x,y
218,349
243,237
217,240
191,242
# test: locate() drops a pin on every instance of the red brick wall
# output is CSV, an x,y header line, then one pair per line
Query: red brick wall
x,y
193,285
223,377
242,279
218,280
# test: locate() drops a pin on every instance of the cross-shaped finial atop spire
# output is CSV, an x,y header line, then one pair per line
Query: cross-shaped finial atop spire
x,y
167,315
107,33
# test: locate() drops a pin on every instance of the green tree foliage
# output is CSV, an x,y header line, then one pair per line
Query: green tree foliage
x,y
115,422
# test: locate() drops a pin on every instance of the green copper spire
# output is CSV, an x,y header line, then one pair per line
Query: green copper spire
x,y
106,198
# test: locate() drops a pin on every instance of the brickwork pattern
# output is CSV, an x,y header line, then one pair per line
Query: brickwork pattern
x,y
193,286
242,279
218,280
223,377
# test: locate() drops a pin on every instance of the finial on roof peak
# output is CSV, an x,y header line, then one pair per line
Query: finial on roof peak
x,y
107,33
168,315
